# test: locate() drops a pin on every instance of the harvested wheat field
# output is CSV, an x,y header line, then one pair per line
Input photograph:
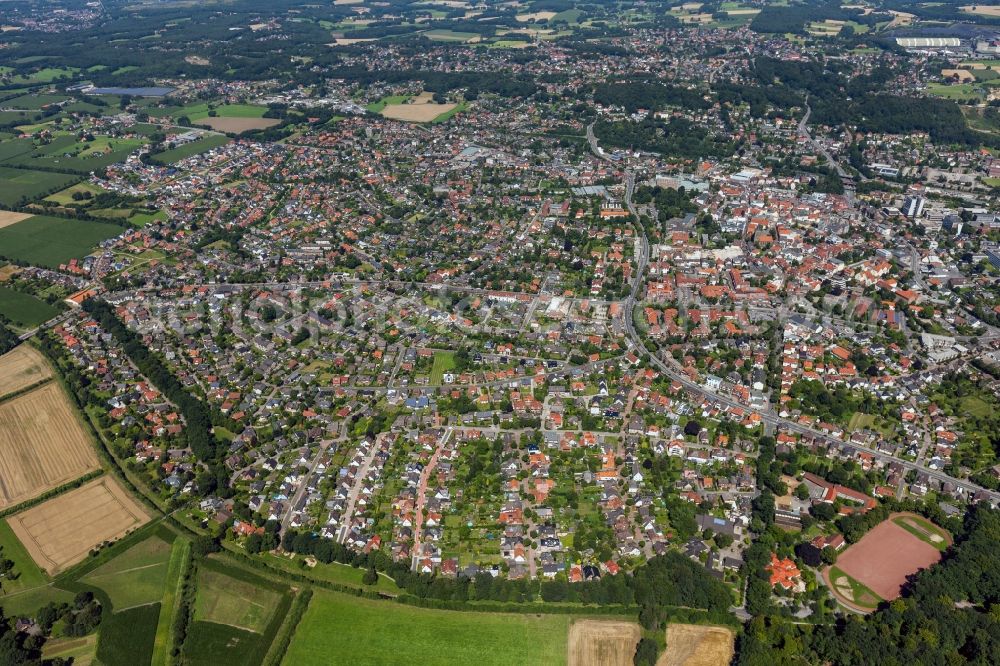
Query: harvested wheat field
x,y
697,645
602,643
9,217
62,531
21,368
42,444
983,10
237,125
416,113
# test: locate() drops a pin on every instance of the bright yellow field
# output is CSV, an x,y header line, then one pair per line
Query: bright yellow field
x,y
42,444
62,531
697,645
21,368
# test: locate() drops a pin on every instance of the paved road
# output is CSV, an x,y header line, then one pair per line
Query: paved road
x,y
769,417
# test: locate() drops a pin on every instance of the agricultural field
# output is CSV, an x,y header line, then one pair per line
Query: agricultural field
x,y
126,637
9,217
602,643
236,616
61,531
42,444
223,599
136,577
877,566
431,637
67,153
47,241
24,310
22,367
66,196
697,645
18,186
29,576
202,145
237,125
83,650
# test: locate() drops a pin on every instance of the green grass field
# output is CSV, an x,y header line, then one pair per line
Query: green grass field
x,y
211,644
447,115
28,574
29,601
333,572
376,107
202,145
66,196
179,555
861,595
135,577
33,102
49,241
24,309
18,186
126,638
449,36
379,630
976,406
223,599
923,530
81,650
443,362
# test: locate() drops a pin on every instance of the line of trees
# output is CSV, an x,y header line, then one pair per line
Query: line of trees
x,y
197,415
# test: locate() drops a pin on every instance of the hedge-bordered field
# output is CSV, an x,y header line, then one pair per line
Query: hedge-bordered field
x,y
47,241
362,631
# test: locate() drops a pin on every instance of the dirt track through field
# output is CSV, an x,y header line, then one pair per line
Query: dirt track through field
x,y
602,643
9,217
21,368
697,645
42,444
884,557
62,531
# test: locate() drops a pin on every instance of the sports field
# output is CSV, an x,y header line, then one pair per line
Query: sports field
x,y
20,368
42,444
388,633
61,531
49,241
881,561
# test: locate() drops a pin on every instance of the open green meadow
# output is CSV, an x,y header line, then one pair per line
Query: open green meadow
x,y
179,555
70,154
362,631
443,362
29,601
24,309
135,577
19,186
376,107
49,241
66,196
28,575
82,650
202,145
223,599
334,572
